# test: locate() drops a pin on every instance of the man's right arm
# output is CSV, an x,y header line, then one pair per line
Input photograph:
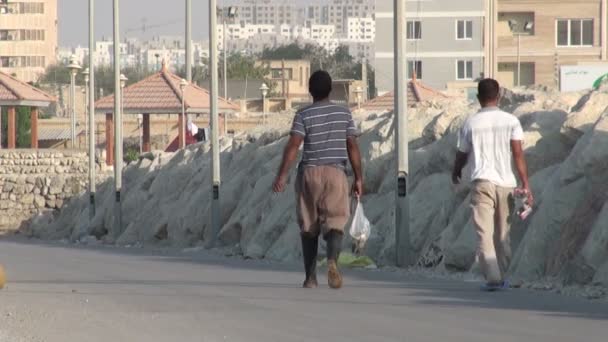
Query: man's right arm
x,y
354,155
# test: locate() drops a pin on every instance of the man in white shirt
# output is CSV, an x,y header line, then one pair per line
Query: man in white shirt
x,y
490,140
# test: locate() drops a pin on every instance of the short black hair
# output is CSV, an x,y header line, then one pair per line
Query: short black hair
x,y
319,85
488,89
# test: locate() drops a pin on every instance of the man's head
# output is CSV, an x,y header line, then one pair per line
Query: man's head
x,y
319,85
488,92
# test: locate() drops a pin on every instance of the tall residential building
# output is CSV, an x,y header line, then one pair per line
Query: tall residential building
x,y
340,10
28,37
545,35
445,42
278,12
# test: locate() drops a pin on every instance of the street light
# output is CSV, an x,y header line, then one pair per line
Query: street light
x,y
264,89
358,92
123,83
232,10
525,30
140,121
91,127
215,148
85,91
402,227
74,67
189,40
182,86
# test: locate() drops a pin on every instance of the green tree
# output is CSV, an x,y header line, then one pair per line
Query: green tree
x,y
23,127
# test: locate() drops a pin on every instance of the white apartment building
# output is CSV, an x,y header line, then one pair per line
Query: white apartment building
x,y
340,10
276,12
361,29
104,52
360,50
243,32
28,37
174,58
294,32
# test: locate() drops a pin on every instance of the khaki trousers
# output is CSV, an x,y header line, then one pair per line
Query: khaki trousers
x,y
492,207
322,200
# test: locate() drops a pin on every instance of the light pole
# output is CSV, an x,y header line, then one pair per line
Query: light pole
x,y
92,165
215,148
358,92
231,14
189,40
140,121
117,122
264,89
74,67
85,73
402,226
123,83
527,29
182,86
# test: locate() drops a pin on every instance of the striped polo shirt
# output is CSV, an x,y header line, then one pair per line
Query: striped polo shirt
x,y
325,127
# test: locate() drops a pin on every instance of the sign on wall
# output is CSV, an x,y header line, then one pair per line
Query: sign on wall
x,y
582,77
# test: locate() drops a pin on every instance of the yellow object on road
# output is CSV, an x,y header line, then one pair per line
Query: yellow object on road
x,y
2,277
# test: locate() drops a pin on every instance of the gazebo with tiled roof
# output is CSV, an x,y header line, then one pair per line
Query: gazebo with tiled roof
x,y
416,92
157,94
15,93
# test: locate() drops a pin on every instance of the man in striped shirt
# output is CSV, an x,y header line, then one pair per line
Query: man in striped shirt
x,y
330,141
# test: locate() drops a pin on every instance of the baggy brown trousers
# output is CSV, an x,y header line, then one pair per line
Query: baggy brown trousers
x,y
492,207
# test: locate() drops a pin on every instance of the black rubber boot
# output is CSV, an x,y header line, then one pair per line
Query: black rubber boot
x,y
310,247
334,246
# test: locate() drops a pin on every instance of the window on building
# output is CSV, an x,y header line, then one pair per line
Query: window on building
x,y
464,29
414,30
575,32
464,70
277,73
414,68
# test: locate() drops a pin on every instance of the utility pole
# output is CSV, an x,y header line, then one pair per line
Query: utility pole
x,y
215,148
402,226
92,164
117,122
364,79
518,59
225,53
189,41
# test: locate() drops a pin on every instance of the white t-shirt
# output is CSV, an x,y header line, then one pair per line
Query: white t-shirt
x,y
486,136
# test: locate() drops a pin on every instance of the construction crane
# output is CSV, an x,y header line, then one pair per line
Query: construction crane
x,y
145,27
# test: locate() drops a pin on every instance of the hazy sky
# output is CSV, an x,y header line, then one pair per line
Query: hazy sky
x,y
168,16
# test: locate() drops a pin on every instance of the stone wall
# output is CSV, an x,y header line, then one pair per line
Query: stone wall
x,y
34,181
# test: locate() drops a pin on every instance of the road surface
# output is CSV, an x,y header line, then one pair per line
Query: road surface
x,y
67,294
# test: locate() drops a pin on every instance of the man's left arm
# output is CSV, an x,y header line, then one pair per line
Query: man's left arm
x,y
464,146
459,164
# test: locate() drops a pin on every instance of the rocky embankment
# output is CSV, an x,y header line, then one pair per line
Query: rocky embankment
x,y
167,196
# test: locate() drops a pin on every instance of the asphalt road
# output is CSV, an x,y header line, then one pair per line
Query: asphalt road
x,y
68,294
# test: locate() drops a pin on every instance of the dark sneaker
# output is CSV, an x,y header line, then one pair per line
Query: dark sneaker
x,y
310,283
490,287
333,275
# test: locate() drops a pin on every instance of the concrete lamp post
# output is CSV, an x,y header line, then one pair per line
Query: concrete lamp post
x,y
182,86
525,30
85,91
264,89
123,83
359,92
231,14
74,67
140,120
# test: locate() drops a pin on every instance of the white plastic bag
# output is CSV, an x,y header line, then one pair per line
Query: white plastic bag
x,y
360,228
